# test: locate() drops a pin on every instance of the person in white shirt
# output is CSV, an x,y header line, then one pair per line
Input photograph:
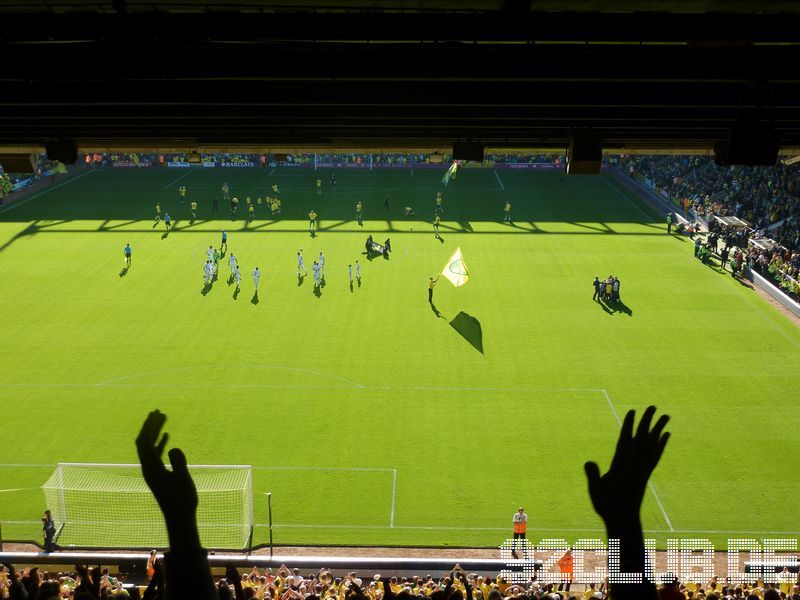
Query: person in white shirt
x,y
350,274
256,277
321,265
210,253
300,264
315,270
358,273
232,262
237,276
208,272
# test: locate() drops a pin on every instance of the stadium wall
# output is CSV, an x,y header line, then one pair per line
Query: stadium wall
x,y
134,563
772,290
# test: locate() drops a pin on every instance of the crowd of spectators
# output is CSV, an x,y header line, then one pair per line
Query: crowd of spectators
x,y
553,159
286,584
765,197
306,159
779,264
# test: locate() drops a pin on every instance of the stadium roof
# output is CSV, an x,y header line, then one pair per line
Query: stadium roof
x,y
334,73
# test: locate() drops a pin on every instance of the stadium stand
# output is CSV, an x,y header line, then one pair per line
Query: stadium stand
x,y
766,198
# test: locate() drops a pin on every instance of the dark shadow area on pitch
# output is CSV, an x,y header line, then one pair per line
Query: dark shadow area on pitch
x,y
300,280
124,272
318,291
604,307
254,299
206,289
469,328
236,294
561,198
616,306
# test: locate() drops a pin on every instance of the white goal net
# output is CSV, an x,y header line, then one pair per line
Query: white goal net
x,y
110,505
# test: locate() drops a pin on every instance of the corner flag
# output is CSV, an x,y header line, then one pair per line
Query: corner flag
x,y
455,270
451,172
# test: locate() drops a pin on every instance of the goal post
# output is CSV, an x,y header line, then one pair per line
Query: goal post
x,y
106,505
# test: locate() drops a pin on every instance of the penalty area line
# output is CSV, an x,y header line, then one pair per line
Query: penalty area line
x,y
649,482
174,181
502,187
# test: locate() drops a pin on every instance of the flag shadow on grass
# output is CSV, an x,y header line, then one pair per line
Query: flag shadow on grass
x,y
469,328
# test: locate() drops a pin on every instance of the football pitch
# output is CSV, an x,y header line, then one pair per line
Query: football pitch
x,y
369,417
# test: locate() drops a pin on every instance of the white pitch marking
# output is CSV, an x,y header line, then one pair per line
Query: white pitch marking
x,y
42,193
173,182
283,468
256,366
636,206
502,187
649,483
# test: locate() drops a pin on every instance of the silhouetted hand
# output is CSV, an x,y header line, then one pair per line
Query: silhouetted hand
x,y
153,591
617,496
174,490
15,589
90,582
388,593
233,577
467,586
32,585
357,591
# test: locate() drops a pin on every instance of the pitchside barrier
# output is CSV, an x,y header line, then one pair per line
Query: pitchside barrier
x,y
133,564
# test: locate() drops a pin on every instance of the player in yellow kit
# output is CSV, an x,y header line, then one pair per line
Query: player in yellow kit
x,y
194,211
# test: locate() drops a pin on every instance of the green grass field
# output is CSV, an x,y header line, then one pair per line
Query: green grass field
x,y
388,425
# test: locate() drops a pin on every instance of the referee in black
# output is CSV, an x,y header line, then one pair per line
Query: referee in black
x,y
431,283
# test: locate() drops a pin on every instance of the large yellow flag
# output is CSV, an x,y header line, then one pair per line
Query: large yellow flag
x,y
455,270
